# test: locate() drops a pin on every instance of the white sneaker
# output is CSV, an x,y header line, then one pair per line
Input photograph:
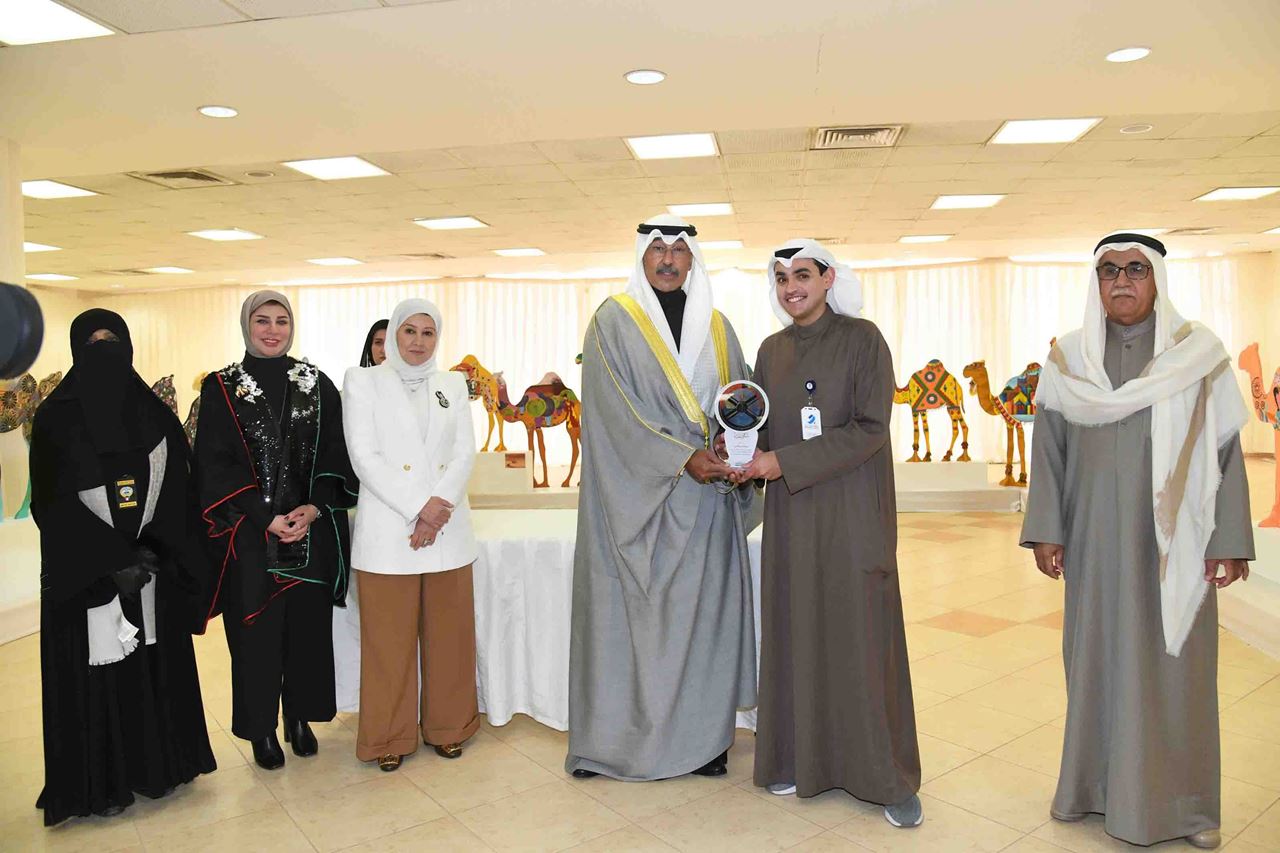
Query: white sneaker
x,y
782,789
906,814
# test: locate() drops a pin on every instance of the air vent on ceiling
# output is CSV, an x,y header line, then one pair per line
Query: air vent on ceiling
x,y
871,136
183,179
427,256
1190,232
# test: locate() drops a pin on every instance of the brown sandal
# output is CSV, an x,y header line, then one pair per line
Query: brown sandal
x,y
449,750
389,762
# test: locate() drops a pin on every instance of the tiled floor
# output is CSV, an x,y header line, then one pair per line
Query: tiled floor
x,y
984,635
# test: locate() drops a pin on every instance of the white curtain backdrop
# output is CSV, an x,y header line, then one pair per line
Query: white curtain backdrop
x,y
997,311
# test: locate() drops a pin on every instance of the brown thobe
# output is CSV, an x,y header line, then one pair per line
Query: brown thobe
x,y
1141,744
835,705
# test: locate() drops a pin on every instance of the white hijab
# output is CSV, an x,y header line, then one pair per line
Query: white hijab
x,y
412,376
845,295
1196,408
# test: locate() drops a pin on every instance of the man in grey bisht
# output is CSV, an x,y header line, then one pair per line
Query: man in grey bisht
x,y
662,649
1139,500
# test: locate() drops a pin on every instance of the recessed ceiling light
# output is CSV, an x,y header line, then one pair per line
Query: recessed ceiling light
x,y
519,253
215,111
451,223
645,76
1238,193
718,208
225,234
116,286
334,262
1136,128
1275,230
39,247
167,270
53,189
50,276
925,238
720,244
373,279
1214,254
1043,131
673,146
336,168
260,173
1128,54
965,202
1052,258
40,21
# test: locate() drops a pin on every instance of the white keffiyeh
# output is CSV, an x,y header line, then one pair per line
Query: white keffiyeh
x,y
696,353
845,295
1196,408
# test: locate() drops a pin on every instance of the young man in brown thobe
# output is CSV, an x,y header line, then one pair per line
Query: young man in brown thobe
x,y
835,707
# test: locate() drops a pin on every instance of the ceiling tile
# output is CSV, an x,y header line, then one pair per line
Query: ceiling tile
x,y
1228,124
585,150
847,158
263,9
774,162
601,171
413,161
516,154
145,16
1263,146
763,141
949,133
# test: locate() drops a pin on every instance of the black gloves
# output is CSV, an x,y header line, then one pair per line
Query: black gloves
x,y
131,580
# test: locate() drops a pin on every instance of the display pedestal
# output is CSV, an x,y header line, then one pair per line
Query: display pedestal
x,y
952,487
505,481
1251,610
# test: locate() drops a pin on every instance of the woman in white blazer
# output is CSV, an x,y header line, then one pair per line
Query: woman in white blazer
x,y
410,439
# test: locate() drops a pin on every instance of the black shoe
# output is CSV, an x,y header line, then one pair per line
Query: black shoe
x,y
583,773
717,766
267,753
299,736
111,811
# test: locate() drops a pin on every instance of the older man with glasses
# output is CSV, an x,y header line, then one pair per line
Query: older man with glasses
x,y
1139,501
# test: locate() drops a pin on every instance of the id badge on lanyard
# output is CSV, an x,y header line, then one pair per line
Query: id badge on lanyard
x,y
810,415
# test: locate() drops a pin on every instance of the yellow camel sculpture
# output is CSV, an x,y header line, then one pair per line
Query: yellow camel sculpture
x,y
483,385
1267,406
932,387
1015,404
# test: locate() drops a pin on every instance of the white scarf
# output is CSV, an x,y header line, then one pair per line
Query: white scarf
x,y
696,353
1196,408
413,376
844,296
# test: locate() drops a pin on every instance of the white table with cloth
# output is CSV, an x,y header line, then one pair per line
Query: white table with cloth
x,y
523,594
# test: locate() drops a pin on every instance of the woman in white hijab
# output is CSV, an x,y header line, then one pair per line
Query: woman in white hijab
x,y
410,439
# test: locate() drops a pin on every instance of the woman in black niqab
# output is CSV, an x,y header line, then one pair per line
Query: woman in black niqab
x,y
111,494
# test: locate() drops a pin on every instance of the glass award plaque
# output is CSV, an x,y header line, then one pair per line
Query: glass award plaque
x,y
741,408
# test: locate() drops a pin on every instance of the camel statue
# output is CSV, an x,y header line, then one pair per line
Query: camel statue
x,y
1016,404
1267,406
163,388
932,387
193,413
547,404
18,403
481,385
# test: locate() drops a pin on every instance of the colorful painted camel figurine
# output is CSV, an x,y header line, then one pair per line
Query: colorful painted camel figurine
x,y
1016,404
933,388
547,404
18,404
1267,406
482,385
193,413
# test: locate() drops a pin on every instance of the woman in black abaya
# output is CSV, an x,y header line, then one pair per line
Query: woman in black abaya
x,y
120,562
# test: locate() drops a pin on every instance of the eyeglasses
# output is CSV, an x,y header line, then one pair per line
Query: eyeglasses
x,y
1134,271
658,248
